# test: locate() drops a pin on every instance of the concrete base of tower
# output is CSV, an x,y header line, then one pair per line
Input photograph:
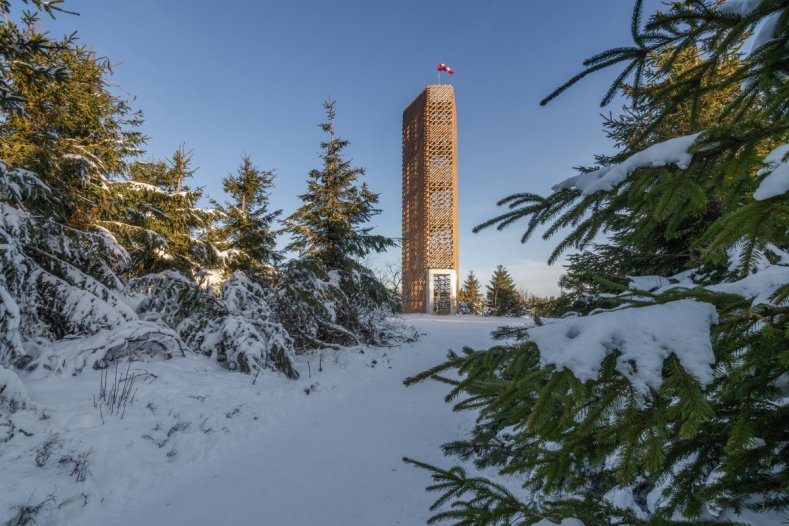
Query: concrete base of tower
x,y
441,291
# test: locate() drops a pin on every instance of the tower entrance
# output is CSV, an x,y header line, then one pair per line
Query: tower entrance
x,y
442,295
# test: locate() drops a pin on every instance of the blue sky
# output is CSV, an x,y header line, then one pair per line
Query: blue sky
x,y
236,77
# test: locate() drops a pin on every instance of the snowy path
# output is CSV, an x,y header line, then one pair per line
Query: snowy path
x,y
334,458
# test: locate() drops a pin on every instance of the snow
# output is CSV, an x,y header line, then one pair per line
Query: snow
x,y
738,252
324,449
644,336
11,317
684,279
673,151
764,280
760,285
739,7
756,443
777,181
334,277
766,31
13,395
163,255
70,356
565,522
137,185
782,255
647,283
85,302
11,179
622,497
210,279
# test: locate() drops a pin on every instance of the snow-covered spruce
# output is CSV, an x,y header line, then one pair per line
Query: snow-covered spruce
x,y
238,329
57,281
322,308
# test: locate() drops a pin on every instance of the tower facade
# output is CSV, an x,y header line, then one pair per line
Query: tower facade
x,y
430,202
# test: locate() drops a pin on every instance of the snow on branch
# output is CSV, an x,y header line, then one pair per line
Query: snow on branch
x,y
739,7
673,151
761,285
647,283
643,336
777,170
15,184
570,521
766,31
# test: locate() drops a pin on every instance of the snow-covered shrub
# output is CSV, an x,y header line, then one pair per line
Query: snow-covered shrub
x,y
305,305
62,302
238,329
56,281
331,308
13,395
134,340
15,185
72,285
369,303
252,327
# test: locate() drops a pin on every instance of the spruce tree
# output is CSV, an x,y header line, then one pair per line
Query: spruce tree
x,y
180,168
169,175
502,297
246,231
327,297
700,445
74,133
156,217
330,224
470,296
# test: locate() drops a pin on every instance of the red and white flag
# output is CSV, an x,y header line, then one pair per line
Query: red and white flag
x,y
444,67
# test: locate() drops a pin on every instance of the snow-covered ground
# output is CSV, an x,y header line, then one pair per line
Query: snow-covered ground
x,y
199,445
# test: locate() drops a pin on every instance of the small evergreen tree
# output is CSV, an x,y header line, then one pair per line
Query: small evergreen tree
x,y
156,217
502,296
330,223
327,297
170,175
470,296
541,306
180,168
246,230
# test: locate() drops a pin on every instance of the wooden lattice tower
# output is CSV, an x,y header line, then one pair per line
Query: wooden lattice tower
x,y
430,197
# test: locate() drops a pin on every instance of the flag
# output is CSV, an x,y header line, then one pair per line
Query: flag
x,y
444,67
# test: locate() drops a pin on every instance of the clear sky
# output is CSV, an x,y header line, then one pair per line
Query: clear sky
x,y
232,77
